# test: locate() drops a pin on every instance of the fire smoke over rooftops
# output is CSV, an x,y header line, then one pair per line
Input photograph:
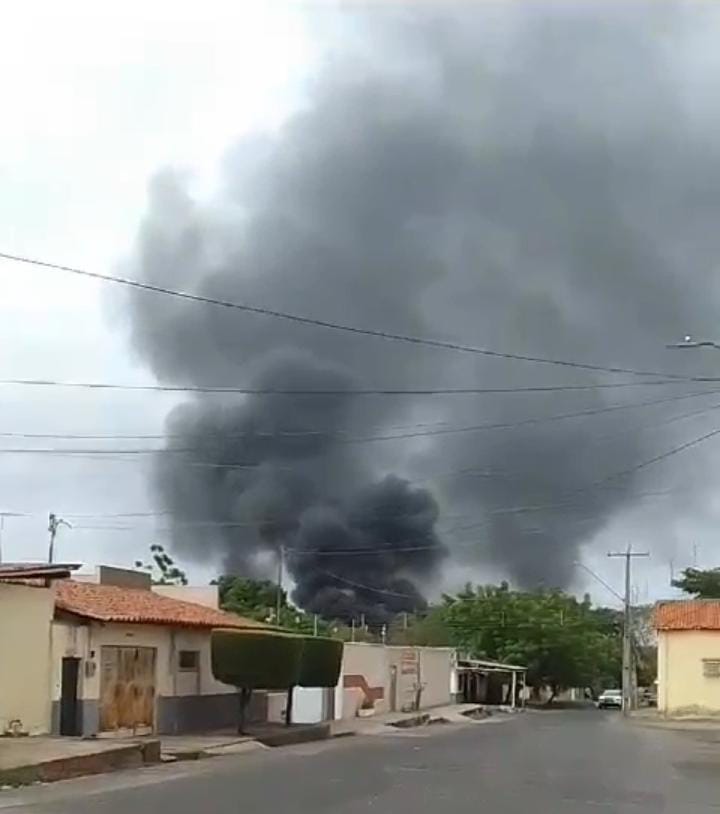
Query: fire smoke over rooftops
x,y
541,182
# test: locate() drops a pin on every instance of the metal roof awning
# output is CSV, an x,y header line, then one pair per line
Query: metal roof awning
x,y
489,666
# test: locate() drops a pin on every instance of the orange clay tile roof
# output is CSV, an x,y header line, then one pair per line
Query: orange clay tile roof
x,y
693,614
109,603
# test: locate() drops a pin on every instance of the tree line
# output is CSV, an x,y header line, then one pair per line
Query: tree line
x,y
562,640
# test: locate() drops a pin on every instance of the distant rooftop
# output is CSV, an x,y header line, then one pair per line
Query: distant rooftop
x,y
688,614
36,570
113,603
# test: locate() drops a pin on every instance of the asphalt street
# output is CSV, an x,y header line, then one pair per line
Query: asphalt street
x,y
539,762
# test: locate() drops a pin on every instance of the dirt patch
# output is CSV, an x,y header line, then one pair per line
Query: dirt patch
x,y
407,723
281,735
477,714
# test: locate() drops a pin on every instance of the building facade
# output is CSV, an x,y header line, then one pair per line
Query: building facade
x,y
110,656
26,614
688,657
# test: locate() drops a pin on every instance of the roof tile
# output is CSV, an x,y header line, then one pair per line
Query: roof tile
x,y
694,614
110,603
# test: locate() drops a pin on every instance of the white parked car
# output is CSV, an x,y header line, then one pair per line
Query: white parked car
x,y
610,699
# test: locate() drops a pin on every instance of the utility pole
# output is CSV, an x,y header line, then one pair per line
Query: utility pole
x,y
627,659
53,525
278,593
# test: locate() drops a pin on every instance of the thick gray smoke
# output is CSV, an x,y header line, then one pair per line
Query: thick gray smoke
x,y
538,182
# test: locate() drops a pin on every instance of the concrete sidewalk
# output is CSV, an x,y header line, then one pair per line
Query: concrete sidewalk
x,y
453,713
652,718
46,759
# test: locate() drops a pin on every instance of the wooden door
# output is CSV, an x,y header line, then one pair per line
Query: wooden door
x,y
127,689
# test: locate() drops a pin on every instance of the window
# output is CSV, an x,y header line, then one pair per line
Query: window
x,y
711,668
189,659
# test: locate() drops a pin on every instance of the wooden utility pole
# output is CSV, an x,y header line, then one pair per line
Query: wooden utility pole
x,y
627,656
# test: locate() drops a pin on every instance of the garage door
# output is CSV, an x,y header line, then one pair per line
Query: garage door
x,y
127,689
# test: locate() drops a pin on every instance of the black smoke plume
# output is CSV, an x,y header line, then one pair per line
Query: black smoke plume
x,y
542,181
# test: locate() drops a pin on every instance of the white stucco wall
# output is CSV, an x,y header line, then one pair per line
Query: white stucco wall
x,y
430,668
683,689
371,662
25,618
436,675
85,641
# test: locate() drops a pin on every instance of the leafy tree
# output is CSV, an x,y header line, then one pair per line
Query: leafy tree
x,y
424,630
562,641
256,659
703,584
163,569
257,599
254,598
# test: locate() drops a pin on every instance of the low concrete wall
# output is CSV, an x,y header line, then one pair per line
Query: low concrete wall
x,y
436,676
88,717
182,714
394,678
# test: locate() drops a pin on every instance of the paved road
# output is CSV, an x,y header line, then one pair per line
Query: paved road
x,y
542,762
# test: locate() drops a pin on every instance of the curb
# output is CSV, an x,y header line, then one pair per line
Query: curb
x,y
291,736
124,757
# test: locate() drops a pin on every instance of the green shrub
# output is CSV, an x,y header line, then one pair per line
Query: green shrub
x,y
320,663
256,660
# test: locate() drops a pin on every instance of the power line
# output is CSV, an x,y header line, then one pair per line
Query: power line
x,y
335,326
369,391
280,433
360,585
444,430
663,456
398,547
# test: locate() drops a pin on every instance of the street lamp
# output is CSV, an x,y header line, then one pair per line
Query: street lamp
x,y
689,342
599,579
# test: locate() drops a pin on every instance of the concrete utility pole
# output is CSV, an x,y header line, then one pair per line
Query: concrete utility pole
x,y
627,656
53,525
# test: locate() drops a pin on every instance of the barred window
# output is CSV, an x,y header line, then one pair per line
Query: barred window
x,y
711,668
189,659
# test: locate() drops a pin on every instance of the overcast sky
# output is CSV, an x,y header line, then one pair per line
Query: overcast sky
x,y
96,100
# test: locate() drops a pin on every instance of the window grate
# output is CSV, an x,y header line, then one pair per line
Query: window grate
x,y
711,668
188,659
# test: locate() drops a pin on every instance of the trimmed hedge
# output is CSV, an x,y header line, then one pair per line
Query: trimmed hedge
x,y
256,659
320,663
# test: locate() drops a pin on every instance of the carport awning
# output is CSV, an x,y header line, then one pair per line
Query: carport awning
x,y
489,666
